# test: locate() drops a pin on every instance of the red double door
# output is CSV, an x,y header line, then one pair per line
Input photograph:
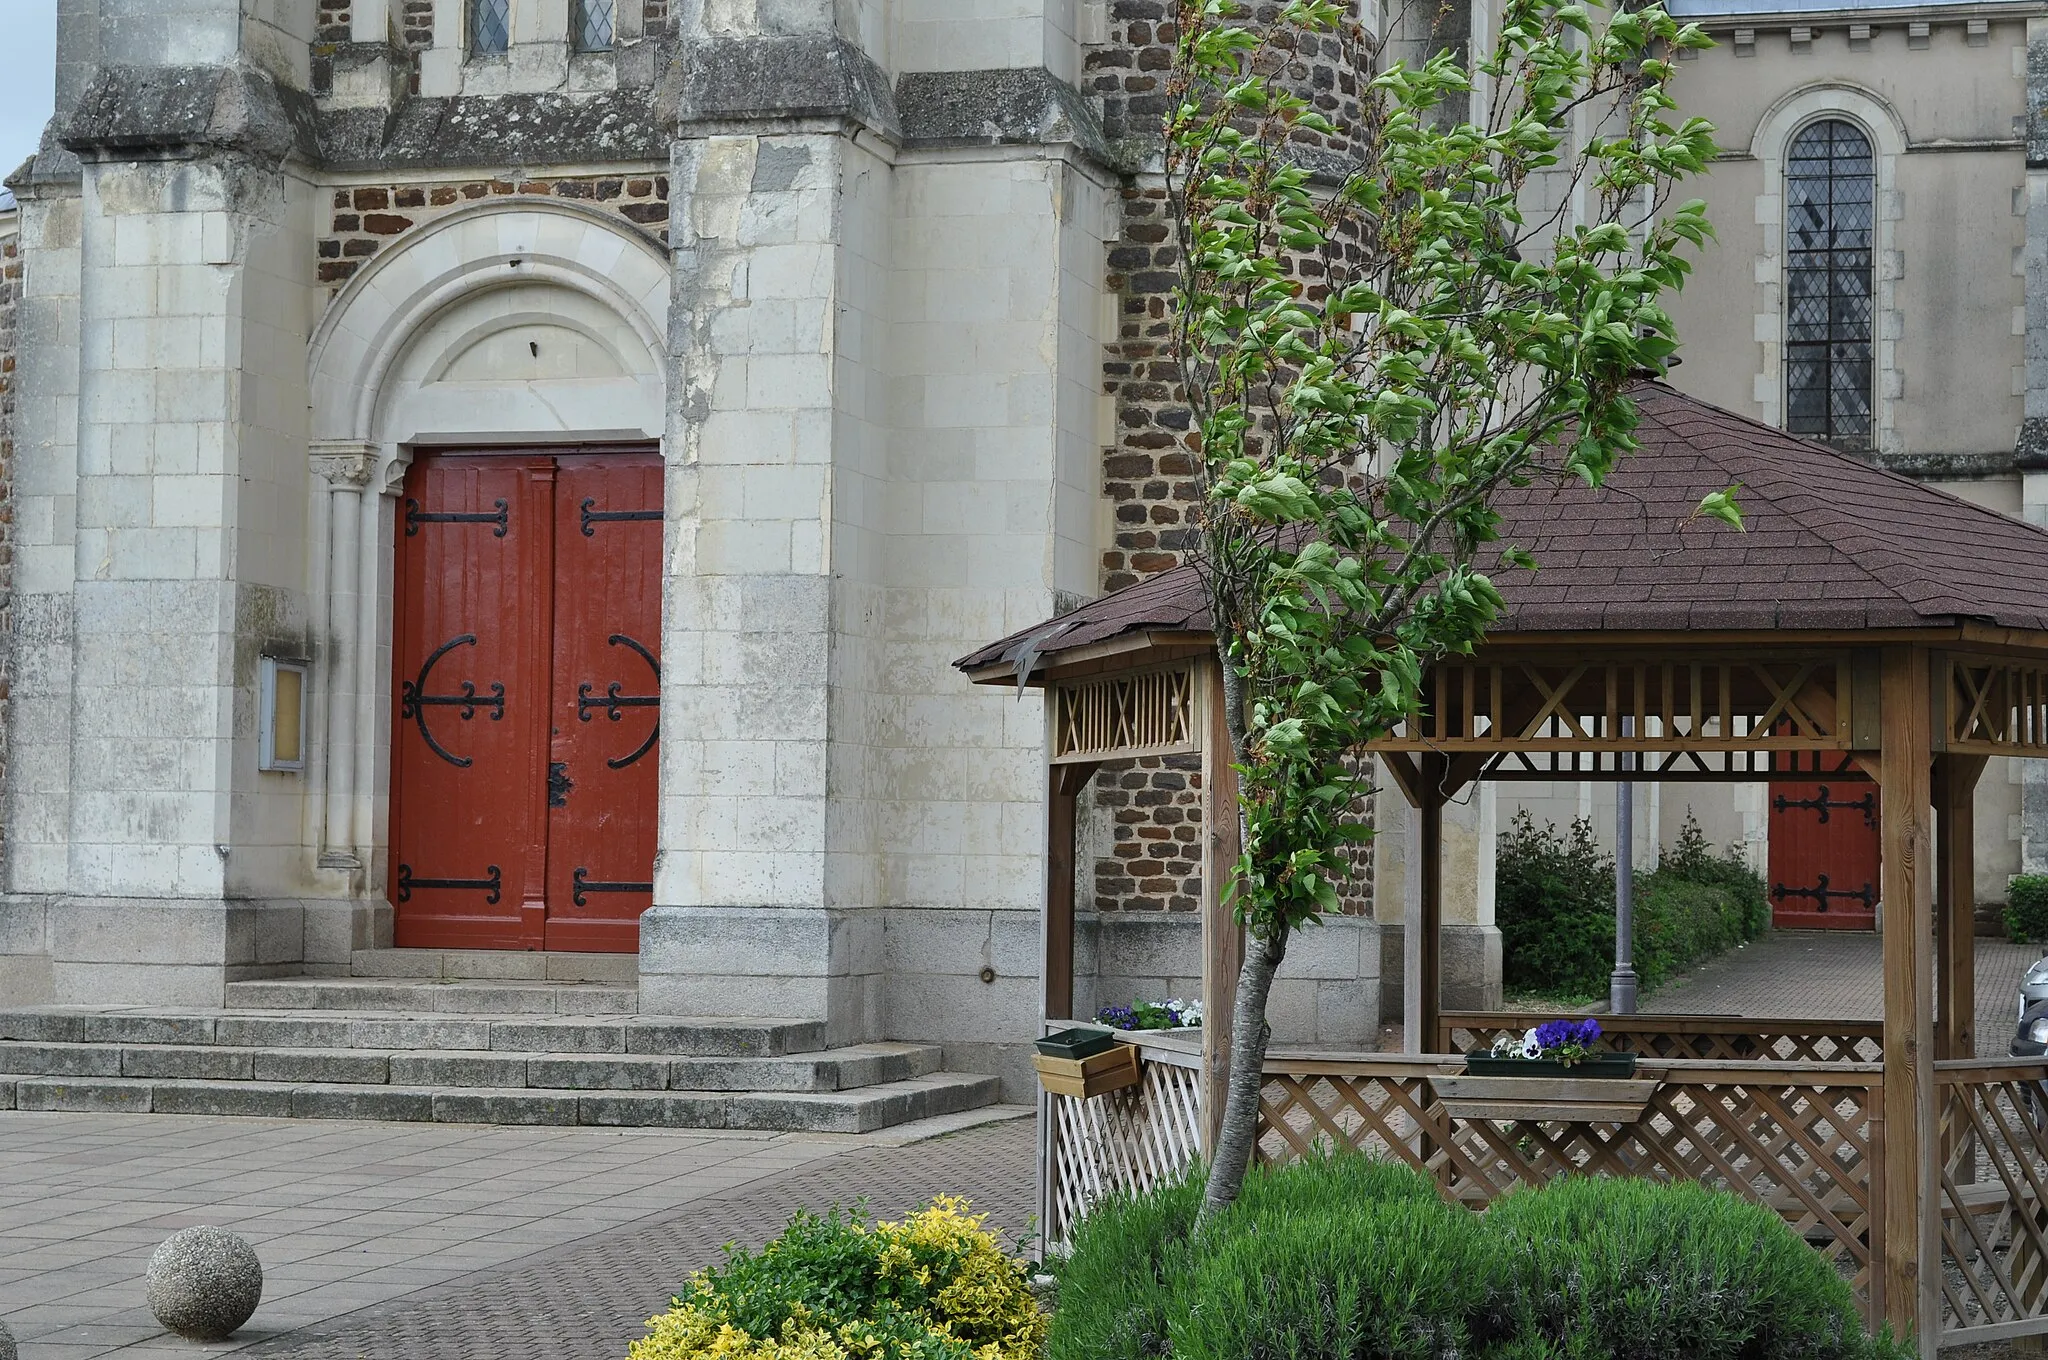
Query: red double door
x,y
526,699
1825,855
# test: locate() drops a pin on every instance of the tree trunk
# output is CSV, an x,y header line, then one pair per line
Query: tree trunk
x,y
1248,1033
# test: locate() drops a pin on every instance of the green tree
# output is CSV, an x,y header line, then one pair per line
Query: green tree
x,y
1375,336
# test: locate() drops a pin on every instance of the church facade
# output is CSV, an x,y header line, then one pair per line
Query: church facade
x,y
512,476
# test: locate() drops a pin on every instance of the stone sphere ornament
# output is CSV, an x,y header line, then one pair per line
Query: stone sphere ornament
x,y
7,1347
203,1283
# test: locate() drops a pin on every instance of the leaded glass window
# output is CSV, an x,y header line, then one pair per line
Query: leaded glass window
x,y
1830,217
590,24
490,27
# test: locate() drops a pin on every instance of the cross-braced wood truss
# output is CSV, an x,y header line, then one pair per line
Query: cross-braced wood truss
x,y
1691,716
1995,706
1148,713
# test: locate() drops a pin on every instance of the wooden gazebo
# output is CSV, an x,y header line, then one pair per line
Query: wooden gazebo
x,y
1861,627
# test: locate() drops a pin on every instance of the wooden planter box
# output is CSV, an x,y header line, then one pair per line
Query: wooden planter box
x,y
1094,1075
1607,1066
1080,1042
1537,1098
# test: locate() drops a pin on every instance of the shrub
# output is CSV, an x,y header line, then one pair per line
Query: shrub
x,y
935,1286
2026,907
1555,907
1679,923
1668,1272
1691,859
1132,1269
1403,1279
1555,897
1343,1257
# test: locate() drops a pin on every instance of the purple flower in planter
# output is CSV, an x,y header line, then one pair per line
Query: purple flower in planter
x,y
1117,1017
1561,1034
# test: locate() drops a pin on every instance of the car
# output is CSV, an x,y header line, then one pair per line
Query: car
x,y
2030,1040
2034,986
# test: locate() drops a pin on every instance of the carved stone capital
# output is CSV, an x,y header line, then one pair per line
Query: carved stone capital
x,y
345,465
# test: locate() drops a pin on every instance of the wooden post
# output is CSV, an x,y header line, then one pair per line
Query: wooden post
x,y
1222,937
1955,939
1063,787
1422,936
1911,1269
1955,933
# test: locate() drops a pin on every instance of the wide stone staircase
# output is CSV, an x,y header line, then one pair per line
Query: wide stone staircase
x,y
414,1035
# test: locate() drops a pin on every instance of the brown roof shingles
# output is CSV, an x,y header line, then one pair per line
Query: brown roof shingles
x,y
1829,543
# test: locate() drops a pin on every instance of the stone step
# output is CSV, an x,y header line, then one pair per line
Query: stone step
x,y
435,996
495,965
675,1036
841,1069
862,1111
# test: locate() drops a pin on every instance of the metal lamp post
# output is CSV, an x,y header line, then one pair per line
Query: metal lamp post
x,y
1621,986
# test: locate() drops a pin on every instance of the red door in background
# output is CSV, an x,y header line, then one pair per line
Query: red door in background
x,y
1824,856
527,709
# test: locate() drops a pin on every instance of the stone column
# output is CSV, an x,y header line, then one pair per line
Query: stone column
x,y
2031,455
345,468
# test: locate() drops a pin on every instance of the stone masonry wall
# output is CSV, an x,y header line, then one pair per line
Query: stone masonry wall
x,y
10,297
1148,473
363,218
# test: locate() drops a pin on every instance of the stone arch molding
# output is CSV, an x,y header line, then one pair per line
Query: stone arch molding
x,y
382,359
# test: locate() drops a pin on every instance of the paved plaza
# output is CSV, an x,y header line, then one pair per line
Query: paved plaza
x,y
354,1216
1836,975
410,1241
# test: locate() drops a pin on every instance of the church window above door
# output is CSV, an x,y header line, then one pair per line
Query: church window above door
x,y
591,24
490,27
1830,221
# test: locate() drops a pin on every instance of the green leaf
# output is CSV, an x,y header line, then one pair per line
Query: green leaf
x,y
1721,505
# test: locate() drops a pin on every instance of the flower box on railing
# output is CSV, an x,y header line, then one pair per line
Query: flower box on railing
x,y
1551,1073
1544,1099
1083,1078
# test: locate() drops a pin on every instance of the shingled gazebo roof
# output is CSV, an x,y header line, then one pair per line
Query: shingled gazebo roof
x,y
1829,543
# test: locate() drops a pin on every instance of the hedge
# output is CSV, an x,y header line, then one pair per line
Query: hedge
x,y
1554,898
1343,1257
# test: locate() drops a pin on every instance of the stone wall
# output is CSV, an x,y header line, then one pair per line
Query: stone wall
x,y
1153,806
10,296
364,218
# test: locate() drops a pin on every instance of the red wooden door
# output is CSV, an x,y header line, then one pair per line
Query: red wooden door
x,y
523,788
606,713
1824,855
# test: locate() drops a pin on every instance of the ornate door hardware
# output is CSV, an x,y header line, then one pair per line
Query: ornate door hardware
x,y
414,701
1822,804
490,887
613,701
1822,893
582,883
559,784
592,516
415,517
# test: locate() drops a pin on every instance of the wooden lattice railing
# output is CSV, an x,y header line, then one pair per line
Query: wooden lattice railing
x,y
1126,1140
1798,1137
1994,1198
1711,1038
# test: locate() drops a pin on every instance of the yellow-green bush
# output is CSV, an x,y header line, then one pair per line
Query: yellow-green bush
x,y
934,1286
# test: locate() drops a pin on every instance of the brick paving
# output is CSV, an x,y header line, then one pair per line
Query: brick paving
x,y
589,1301
347,1216
1835,975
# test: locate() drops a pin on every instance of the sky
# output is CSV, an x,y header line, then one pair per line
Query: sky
x,y
28,69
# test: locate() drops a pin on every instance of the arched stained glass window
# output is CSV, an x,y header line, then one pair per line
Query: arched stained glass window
x,y
1830,312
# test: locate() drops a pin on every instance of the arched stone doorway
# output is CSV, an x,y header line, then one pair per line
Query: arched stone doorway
x,y
518,343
